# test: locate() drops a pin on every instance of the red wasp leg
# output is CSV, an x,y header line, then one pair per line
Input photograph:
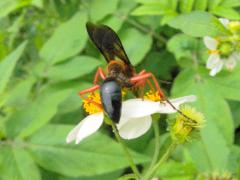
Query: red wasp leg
x,y
150,85
100,73
142,72
141,83
146,76
89,90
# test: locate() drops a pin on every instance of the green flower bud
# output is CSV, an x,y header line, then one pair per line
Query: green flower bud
x,y
225,48
185,125
234,26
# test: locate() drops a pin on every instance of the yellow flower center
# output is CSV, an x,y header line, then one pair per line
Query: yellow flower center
x,y
213,51
92,104
153,96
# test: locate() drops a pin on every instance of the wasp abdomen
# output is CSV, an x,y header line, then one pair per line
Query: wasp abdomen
x,y
111,98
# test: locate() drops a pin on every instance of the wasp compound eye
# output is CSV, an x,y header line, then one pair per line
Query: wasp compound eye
x,y
111,98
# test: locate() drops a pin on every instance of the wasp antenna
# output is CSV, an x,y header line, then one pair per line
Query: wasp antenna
x,y
165,82
180,112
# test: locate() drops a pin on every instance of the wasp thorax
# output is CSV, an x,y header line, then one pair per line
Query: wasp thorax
x,y
116,67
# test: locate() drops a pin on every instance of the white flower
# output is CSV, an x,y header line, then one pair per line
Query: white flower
x,y
85,128
232,61
224,22
136,115
215,63
135,119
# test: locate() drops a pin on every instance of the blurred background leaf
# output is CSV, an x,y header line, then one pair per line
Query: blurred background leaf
x,y
46,59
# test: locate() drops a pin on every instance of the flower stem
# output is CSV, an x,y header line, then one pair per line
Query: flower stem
x,y
128,155
146,30
127,177
166,155
157,141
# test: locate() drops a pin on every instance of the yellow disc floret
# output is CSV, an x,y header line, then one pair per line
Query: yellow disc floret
x,y
93,103
153,96
234,26
185,124
124,92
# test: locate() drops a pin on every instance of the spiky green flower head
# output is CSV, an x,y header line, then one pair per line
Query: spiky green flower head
x,y
186,124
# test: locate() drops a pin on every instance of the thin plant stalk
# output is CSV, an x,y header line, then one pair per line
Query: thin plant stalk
x,y
157,141
166,155
127,153
157,144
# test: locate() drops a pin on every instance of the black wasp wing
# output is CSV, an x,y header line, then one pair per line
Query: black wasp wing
x,y
108,42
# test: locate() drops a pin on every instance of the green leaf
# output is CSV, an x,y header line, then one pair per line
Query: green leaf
x,y
117,19
213,3
187,50
68,39
26,121
211,150
235,108
147,1
149,9
91,157
199,24
182,46
230,3
186,5
226,12
17,95
7,6
7,65
159,63
136,44
105,176
177,170
200,4
228,84
37,3
172,4
101,8
73,98
233,164
71,69
16,163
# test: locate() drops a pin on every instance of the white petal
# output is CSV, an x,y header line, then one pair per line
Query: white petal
x,y
167,108
134,127
224,21
231,62
139,108
213,59
210,43
216,68
85,128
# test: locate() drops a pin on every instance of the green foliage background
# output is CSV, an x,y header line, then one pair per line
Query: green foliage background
x,y
46,58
